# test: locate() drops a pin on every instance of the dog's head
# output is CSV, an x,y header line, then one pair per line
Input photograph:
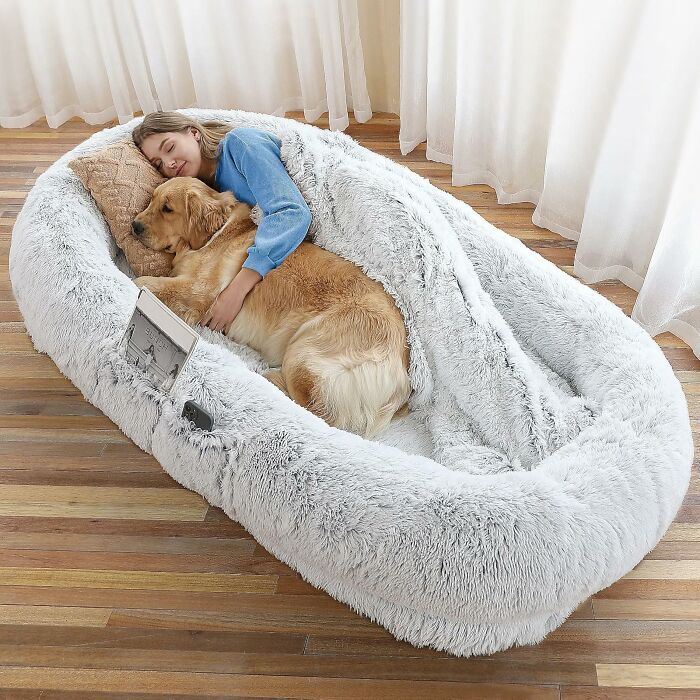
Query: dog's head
x,y
184,214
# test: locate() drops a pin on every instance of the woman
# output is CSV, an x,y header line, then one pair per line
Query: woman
x,y
246,162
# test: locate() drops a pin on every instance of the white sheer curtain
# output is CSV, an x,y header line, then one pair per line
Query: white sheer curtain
x,y
106,59
589,109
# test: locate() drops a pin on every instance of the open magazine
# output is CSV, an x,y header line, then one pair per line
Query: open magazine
x,y
158,341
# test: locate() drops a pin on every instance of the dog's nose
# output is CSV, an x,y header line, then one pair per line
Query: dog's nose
x,y
137,228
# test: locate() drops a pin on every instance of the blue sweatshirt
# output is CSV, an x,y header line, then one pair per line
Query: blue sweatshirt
x,y
250,166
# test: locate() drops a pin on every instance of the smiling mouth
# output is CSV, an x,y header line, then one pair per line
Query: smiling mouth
x,y
179,169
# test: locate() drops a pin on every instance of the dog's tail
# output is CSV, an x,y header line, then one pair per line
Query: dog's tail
x,y
364,398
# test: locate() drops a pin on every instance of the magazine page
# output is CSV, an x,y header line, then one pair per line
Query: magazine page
x,y
158,341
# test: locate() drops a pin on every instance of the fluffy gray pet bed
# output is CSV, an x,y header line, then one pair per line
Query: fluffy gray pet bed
x,y
548,448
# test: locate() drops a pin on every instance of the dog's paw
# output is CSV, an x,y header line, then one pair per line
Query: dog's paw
x,y
155,284
144,281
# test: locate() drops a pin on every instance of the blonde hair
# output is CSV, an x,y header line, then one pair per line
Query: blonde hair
x,y
211,132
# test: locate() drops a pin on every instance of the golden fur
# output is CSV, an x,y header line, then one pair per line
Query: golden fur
x,y
335,337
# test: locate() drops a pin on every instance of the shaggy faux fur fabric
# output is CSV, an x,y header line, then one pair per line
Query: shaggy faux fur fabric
x,y
547,451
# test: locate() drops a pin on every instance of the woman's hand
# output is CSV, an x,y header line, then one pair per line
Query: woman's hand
x,y
222,313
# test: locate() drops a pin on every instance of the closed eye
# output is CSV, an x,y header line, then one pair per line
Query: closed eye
x,y
158,167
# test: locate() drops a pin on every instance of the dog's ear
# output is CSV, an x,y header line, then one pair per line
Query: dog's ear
x,y
204,218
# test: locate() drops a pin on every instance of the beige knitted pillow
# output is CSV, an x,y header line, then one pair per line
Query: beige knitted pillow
x,y
122,181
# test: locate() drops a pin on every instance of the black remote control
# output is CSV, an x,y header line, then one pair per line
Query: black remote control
x,y
195,413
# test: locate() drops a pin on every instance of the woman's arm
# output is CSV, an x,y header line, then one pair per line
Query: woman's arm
x,y
256,155
244,281
285,223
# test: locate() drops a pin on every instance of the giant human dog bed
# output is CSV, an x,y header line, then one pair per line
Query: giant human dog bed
x,y
548,447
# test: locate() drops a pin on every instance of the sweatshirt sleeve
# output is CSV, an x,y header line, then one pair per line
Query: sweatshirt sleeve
x,y
286,216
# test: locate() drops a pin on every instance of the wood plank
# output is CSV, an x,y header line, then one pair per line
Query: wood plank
x,y
649,676
575,692
657,609
271,686
151,580
200,661
666,569
100,502
55,616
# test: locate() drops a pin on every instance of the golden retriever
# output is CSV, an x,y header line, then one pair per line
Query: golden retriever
x,y
335,338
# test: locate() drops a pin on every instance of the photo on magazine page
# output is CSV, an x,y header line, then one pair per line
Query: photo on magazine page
x,y
157,341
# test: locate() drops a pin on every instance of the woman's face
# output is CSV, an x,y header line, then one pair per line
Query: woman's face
x,y
174,153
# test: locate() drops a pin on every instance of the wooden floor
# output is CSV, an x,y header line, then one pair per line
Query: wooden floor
x,y
117,582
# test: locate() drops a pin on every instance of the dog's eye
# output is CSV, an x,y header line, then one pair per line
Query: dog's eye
x,y
166,209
